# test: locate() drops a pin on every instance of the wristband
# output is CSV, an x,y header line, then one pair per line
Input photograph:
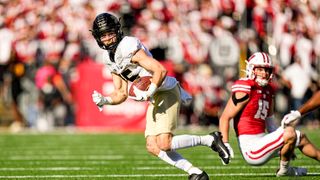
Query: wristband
x,y
107,100
152,89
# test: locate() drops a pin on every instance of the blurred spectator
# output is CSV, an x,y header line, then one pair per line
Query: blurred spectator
x,y
7,38
190,33
211,95
298,85
207,91
190,84
22,67
286,45
54,98
224,49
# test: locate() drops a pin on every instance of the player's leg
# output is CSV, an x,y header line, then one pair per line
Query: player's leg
x,y
161,121
172,157
213,140
308,148
187,141
259,149
291,139
170,103
160,146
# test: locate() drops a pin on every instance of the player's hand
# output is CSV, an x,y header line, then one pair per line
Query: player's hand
x,y
230,149
289,118
98,99
140,95
144,95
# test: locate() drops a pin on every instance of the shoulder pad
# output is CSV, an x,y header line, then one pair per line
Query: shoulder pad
x,y
242,85
129,45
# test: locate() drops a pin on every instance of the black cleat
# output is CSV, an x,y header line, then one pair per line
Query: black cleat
x,y
202,176
218,146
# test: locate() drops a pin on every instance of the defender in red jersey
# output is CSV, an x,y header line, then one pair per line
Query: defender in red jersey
x,y
251,108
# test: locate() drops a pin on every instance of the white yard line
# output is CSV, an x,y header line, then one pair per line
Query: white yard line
x,y
67,157
226,167
86,161
139,168
50,169
110,156
136,175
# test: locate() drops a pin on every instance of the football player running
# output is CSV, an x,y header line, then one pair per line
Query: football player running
x,y
251,108
127,59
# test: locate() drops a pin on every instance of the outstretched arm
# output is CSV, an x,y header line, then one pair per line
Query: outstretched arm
x,y
118,95
293,117
311,104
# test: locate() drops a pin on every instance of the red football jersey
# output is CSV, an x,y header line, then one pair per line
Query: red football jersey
x,y
251,120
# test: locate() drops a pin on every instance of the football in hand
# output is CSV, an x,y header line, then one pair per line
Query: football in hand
x,y
141,83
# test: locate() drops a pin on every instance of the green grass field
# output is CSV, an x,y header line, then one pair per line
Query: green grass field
x,y
63,155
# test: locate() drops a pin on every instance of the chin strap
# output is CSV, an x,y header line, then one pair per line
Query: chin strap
x,y
261,82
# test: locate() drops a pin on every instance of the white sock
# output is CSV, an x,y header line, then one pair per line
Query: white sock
x,y
194,170
207,140
175,159
284,165
186,141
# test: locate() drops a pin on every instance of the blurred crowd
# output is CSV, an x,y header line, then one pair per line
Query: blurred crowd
x,y
203,43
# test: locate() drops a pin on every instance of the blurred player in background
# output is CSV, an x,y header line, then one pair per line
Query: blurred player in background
x,y
128,59
251,108
312,104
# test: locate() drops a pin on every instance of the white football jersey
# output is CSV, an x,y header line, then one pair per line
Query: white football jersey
x,y
120,63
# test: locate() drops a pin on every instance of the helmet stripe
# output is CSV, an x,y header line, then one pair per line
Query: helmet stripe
x,y
251,57
267,57
264,58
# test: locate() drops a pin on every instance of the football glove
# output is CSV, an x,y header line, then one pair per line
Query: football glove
x,y
100,100
144,95
230,149
290,117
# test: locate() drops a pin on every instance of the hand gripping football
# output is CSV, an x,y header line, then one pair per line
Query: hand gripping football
x,y
141,83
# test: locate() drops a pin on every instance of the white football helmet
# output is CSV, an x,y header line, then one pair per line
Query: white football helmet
x,y
259,59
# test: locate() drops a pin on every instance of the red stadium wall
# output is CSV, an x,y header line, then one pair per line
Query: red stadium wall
x,y
128,116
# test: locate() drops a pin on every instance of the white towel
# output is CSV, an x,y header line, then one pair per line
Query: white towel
x,y
185,97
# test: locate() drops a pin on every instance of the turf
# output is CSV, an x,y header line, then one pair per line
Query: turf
x,y
65,155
